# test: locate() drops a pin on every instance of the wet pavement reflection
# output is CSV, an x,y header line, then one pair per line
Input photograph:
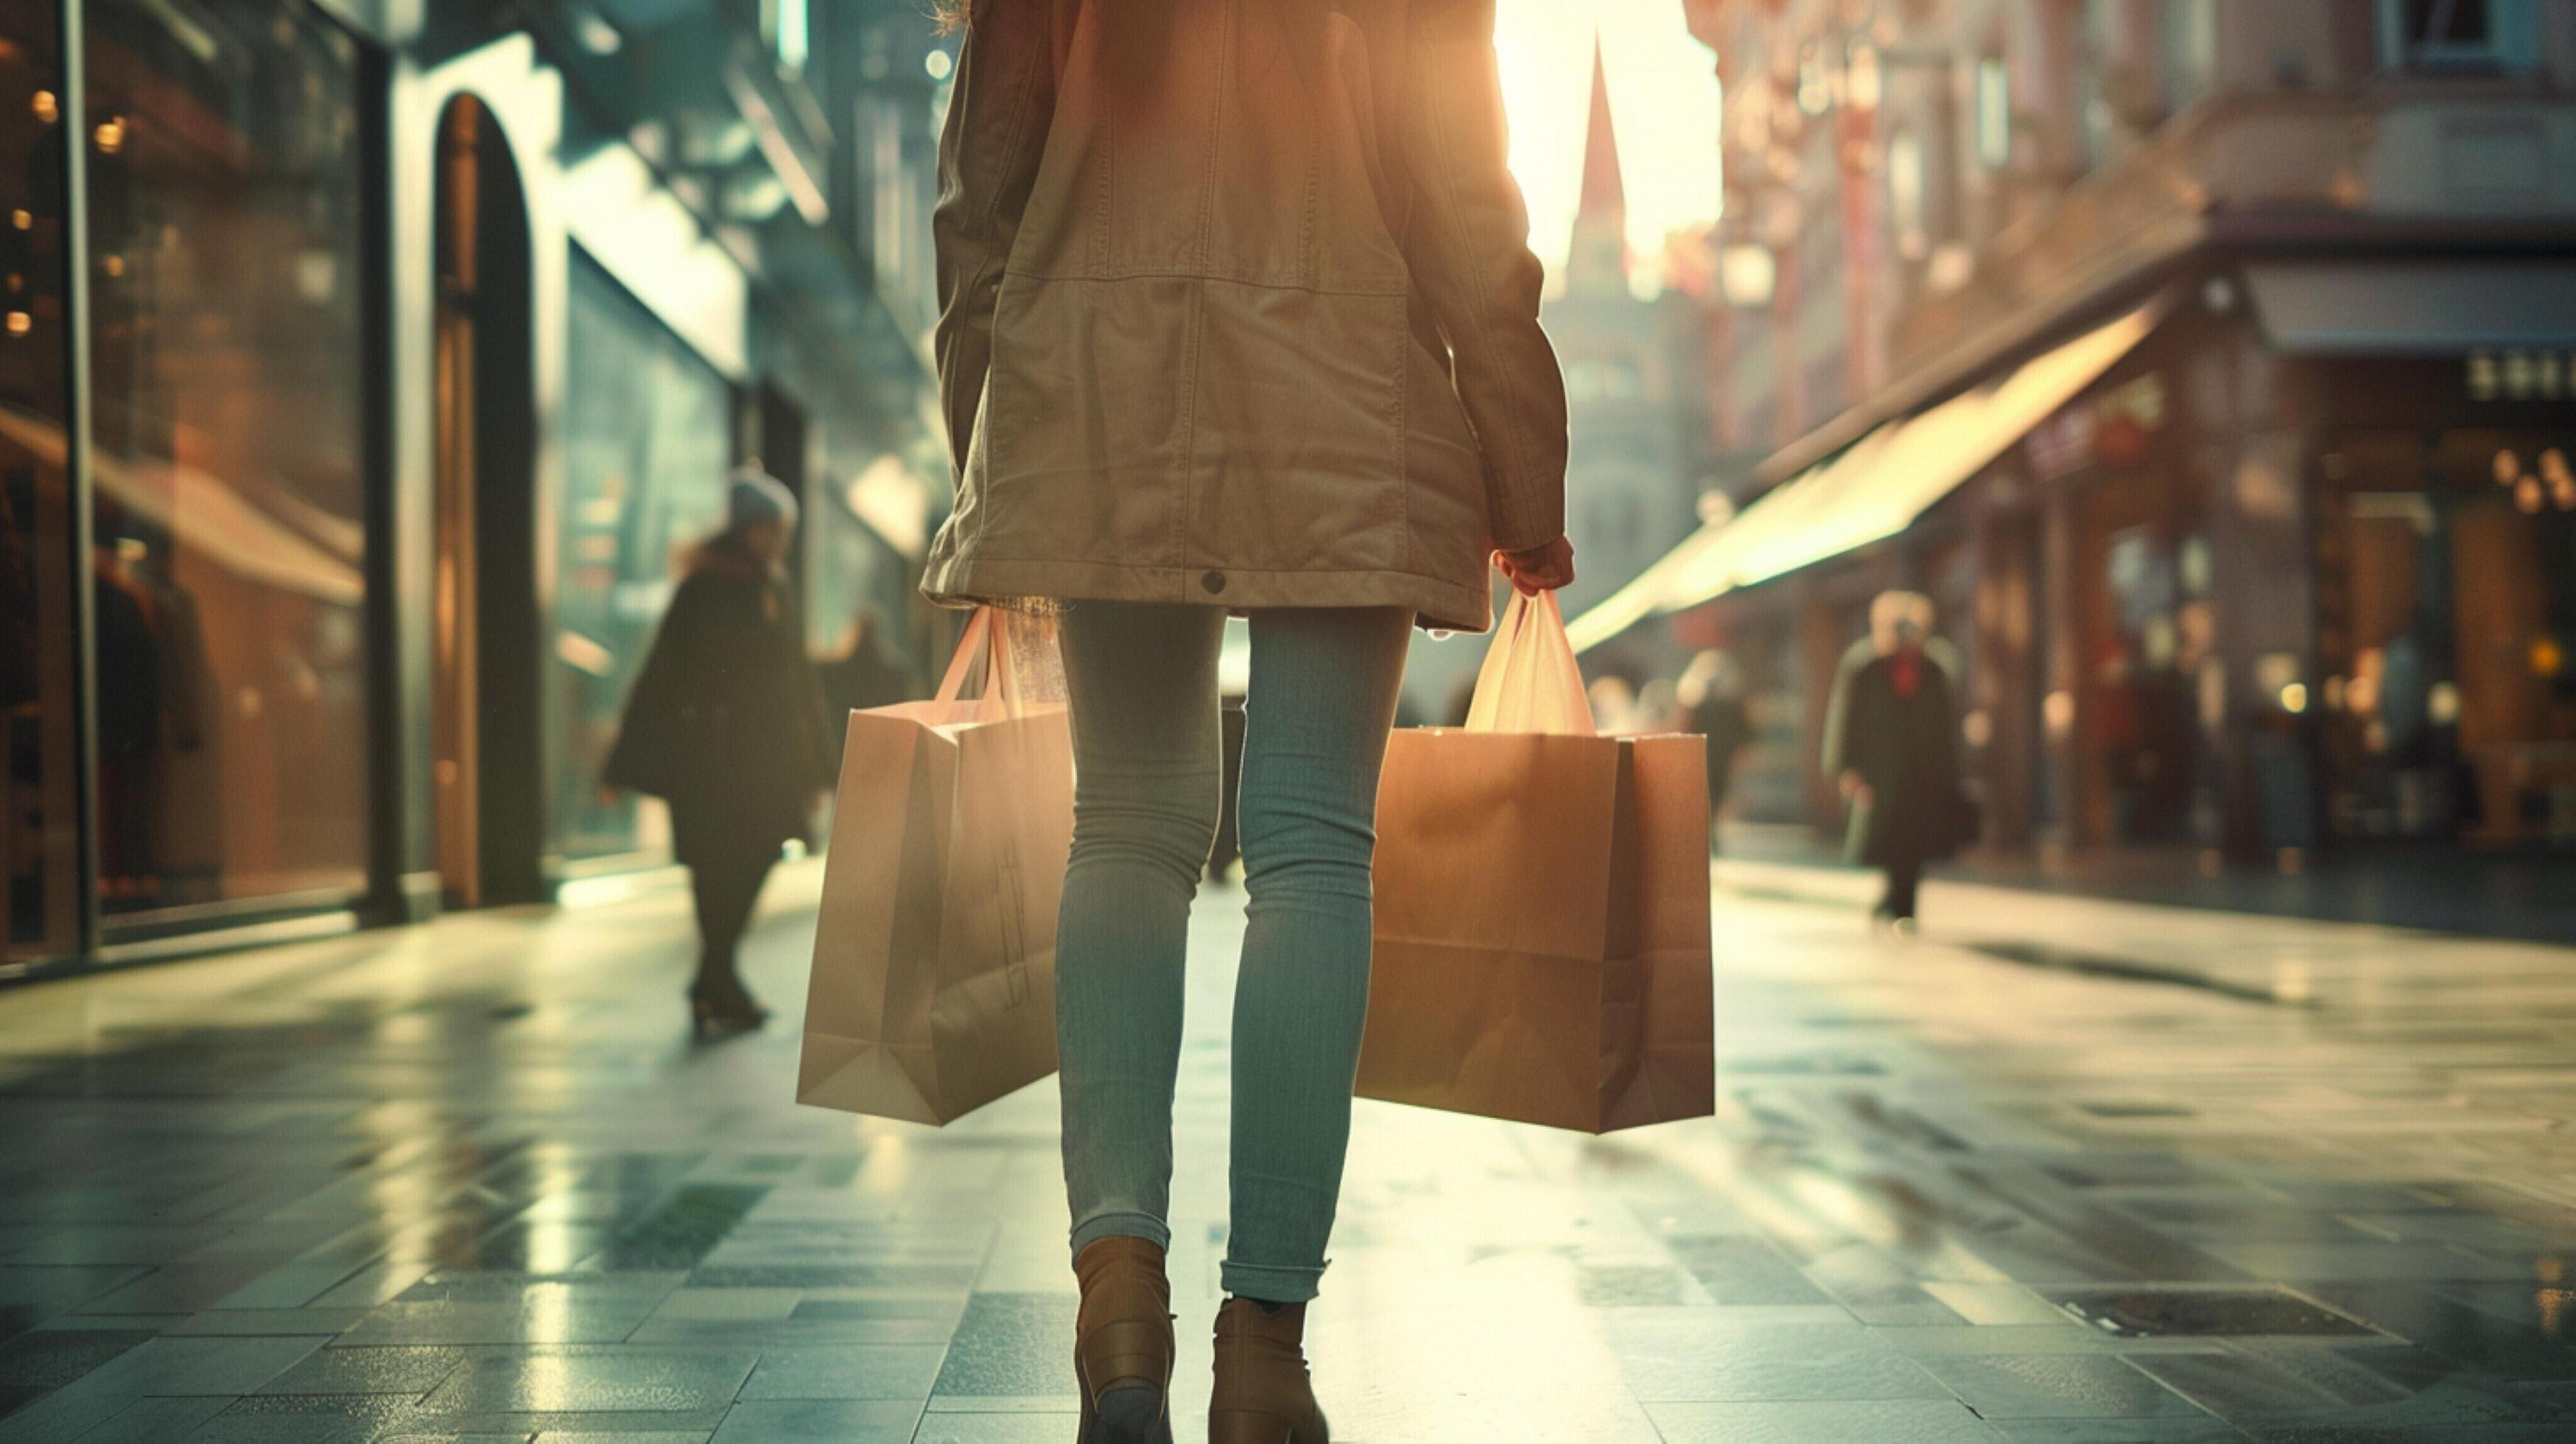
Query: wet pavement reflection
x,y
2062,1169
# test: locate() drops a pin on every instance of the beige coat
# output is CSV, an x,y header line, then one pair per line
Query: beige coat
x,y
1239,309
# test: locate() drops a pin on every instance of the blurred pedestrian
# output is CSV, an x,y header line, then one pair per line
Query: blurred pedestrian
x,y
1711,694
1614,705
725,723
1659,707
1323,404
1895,755
865,674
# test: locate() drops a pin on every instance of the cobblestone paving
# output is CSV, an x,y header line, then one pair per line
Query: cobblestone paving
x,y
2062,1170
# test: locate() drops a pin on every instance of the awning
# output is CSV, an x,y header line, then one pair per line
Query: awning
x,y
208,516
1872,490
2396,308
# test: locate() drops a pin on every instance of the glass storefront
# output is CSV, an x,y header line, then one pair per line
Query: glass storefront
x,y
647,440
246,666
2448,573
39,827
226,203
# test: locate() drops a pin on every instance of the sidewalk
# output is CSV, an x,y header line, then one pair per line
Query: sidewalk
x,y
473,1181
2527,895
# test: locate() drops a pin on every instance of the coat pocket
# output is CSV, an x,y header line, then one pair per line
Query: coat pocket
x,y
1297,436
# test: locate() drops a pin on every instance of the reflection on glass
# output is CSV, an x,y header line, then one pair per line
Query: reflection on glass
x,y
647,439
38,835
224,202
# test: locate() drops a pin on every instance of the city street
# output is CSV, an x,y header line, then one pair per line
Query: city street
x,y
2062,1169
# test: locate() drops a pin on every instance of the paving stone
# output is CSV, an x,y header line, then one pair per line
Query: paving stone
x,y
2200,1429
51,1358
845,1421
410,1371
167,1366
586,1381
996,1429
1744,1271
2069,1386
852,1371
1667,1356
1012,1344
149,1421
1943,1421
528,1424
303,1419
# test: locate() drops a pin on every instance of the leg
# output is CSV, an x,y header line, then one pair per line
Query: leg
x,y
1904,879
1142,681
727,888
1324,687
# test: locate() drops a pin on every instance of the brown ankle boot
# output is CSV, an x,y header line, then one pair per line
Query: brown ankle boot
x,y
1263,1393
1122,1347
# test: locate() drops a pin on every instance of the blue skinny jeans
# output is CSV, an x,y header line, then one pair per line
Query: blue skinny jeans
x,y
1143,684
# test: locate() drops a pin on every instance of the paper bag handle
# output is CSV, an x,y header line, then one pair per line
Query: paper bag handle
x,y
993,640
1530,682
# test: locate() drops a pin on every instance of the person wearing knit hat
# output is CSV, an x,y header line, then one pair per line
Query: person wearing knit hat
x,y
725,723
755,501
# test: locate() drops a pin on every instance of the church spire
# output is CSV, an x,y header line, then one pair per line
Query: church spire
x,y
1599,255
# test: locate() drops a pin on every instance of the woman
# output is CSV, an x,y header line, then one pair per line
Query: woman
x,y
725,723
1712,698
1893,753
1239,314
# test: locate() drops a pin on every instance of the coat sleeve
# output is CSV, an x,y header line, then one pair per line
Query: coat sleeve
x,y
999,111
1468,249
1833,759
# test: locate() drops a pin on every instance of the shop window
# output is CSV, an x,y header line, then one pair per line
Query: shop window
x,y
1906,196
2186,51
38,866
225,186
647,441
2457,35
1994,113
790,25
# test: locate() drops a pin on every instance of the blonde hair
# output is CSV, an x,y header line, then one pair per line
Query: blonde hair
x,y
951,14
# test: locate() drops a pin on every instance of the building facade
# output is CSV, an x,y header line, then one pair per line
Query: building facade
x,y
2207,361
1636,388
369,368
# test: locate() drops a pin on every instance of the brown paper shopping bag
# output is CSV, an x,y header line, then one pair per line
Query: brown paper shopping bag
x,y
933,985
1542,916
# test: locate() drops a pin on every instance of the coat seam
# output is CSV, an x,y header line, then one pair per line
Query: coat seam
x,y
1189,498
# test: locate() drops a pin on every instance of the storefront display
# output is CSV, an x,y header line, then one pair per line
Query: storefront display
x,y
225,191
2449,564
39,867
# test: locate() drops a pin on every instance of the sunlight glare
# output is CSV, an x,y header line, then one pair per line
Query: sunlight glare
x,y
1663,103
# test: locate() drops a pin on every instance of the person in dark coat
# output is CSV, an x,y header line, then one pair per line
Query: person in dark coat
x,y
866,674
1712,699
1896,756
726,724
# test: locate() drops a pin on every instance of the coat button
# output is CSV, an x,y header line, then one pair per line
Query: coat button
x,y
1214,582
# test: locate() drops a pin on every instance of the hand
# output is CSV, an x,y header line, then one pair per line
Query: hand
x,y
1855,787
1540,568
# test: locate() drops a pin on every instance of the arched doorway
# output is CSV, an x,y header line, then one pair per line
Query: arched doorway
x,y
485,736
